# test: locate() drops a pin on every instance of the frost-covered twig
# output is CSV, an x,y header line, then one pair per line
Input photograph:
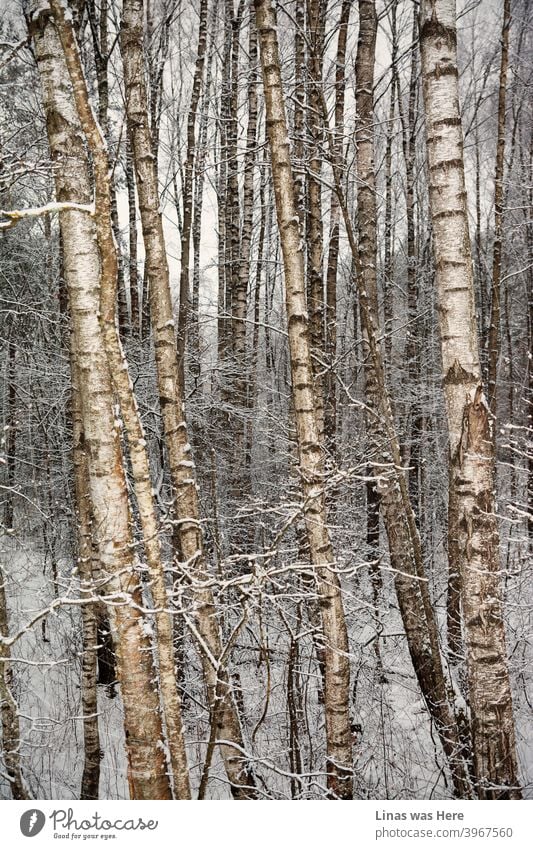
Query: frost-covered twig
x,y
13,51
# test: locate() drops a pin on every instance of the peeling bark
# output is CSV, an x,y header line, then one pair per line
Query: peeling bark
x,y
142,724
473,525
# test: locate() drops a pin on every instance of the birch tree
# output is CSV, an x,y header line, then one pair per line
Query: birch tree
x,y
142,722
182,469
124,390
404,543
494,342
310,450
473,527
207,591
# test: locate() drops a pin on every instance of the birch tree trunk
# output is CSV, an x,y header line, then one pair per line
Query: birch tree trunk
x,y
89,696
232,204
147,771
188,190
194,351
10,432
330,399
494,341
337,671
182,469
124,390
240,306
472,519
299,107
411,450
405,548
222,188
388,261
133,272
316,12
367,231
100,36
241,477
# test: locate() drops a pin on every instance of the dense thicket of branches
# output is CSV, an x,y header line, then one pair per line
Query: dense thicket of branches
x,y
266,324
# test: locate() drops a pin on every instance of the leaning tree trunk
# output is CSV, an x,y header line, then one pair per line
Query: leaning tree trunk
x,y
181,464
140,466
472,520
310,450
147,771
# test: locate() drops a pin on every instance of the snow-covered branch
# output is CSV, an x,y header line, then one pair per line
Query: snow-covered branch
x,y
15,215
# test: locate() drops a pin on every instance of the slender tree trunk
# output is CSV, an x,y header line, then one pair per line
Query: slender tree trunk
x,y
388,264
240,294
89,616
330,400
9,709
471,511
188,190
299,108
240,302
314,240
337,672
240,481
100,35
367,225
133,272
494,342
195,351
529,395
147,769
264,227
233,207
222,192
411,452
11,432
181,464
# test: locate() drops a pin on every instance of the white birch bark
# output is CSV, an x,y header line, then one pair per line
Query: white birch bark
x,y
405,548
86,551
142,722
170,700
473,526
181,463
310,450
